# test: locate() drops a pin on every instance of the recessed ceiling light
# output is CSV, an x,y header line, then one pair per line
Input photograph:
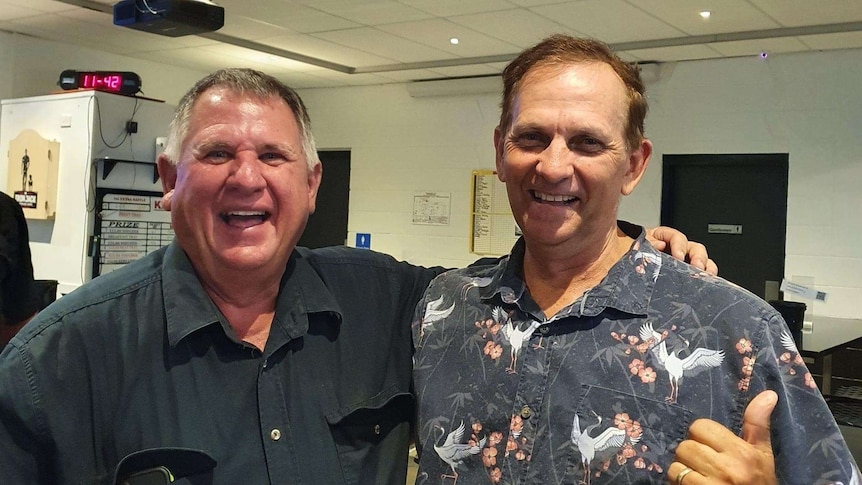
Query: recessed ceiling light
x,y
705,14
454,41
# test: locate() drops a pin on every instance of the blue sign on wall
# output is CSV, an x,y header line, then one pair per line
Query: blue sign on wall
x,y
363,240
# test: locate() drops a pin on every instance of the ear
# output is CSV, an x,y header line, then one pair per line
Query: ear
x,y
499,146
167,173
638,161
314,177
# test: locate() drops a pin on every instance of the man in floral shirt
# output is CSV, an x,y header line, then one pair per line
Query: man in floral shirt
x,y
586,356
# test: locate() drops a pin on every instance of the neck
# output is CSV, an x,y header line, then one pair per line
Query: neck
x,y
248,303
556,276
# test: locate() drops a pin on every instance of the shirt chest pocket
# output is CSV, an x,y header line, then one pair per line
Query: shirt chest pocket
x,y
372,439
621,438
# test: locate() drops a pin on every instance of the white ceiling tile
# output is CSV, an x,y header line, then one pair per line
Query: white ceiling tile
x,y
301,80
755,47
726,15
467,71
608,20
843,40
53,27
383,44
534,3
12,12
329,51
287,15
251,28
409,75
437,32
519,27
350,79
794,13
242,57
186,58
372,12
678,53
41,5
449,8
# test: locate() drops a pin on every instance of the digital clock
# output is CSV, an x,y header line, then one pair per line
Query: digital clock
x,y
120,82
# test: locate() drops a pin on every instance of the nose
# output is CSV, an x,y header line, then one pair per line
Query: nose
x,y
246,172
556,161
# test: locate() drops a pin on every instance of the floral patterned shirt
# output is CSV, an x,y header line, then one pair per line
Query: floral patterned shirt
x,y
604,391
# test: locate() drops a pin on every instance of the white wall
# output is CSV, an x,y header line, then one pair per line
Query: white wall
x,y
401,146
806,104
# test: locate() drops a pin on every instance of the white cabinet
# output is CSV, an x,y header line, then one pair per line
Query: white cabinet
x,y
79,128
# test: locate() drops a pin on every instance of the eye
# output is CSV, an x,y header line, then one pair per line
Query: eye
x,y
272,158
529,140
218,156
588,144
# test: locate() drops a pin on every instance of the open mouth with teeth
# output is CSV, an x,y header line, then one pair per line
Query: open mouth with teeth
x,y
551,198
244,218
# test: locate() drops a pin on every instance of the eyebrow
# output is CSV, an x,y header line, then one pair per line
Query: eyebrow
x,y
281,148
267,147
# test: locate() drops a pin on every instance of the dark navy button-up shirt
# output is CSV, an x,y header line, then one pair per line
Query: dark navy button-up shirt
x,y
142,359
604,391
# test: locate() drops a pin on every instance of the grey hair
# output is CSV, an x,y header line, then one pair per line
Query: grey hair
x,y
247,82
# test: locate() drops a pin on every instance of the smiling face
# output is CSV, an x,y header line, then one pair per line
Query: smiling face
x,y
564,158
242,188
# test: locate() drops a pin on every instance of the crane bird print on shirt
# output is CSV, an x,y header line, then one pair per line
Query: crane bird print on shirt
x,y
611,438
434,313
453,452
788,342
646,261
514,335
698,360
475,282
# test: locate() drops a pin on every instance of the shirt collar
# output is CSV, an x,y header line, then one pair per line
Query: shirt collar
x,y
188,308
627,287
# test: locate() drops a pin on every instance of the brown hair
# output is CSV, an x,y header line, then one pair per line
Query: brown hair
x,y
561,50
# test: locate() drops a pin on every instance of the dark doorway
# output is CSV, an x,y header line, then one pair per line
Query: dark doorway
x,y
737,206
328,225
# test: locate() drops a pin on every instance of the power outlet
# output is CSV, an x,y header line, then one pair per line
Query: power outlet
x,y
161,143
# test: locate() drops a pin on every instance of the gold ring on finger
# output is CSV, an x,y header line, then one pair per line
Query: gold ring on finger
x,y
681,475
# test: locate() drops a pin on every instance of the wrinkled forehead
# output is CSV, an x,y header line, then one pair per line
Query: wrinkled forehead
x,y
594,83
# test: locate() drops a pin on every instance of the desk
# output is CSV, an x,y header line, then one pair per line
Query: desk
x,y
828,335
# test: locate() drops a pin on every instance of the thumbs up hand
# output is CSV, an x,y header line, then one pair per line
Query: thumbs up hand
x,y
713,454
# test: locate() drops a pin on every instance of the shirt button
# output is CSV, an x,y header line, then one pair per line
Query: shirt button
x,y
544,329
376,429
526,412
275,434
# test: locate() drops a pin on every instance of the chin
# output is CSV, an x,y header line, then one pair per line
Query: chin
x,y
248,258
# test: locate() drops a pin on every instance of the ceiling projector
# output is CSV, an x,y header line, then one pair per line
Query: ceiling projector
x,y
173,18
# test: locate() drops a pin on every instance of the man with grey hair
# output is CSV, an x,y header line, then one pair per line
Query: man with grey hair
x,y
231,356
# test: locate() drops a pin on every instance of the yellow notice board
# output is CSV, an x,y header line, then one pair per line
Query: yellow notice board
x,y
492,228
